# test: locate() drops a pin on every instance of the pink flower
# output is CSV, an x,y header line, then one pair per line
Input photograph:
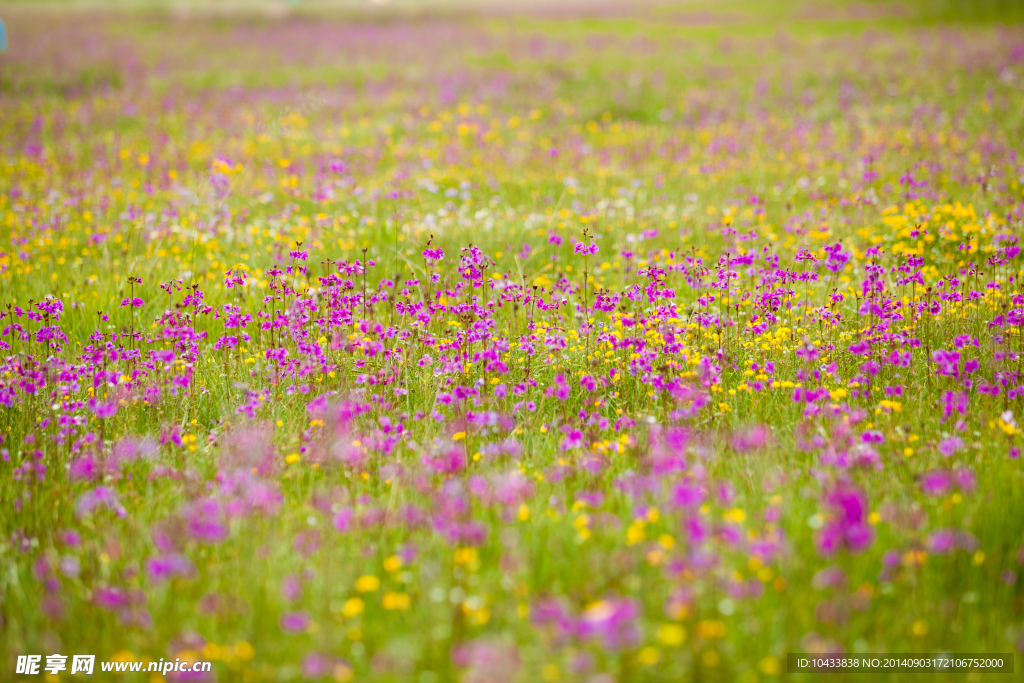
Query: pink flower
x,y
294,622
488,661
343,519
751,439
848,527
101,496
162,568
936,483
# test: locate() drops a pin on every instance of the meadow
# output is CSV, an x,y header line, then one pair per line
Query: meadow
x,y
611,343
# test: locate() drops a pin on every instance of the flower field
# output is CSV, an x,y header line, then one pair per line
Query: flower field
x,y
615,343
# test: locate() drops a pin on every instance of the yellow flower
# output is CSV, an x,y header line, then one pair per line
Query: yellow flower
x,y
465,556
353,607
671,634
213,652
244,651
458,436
648,656
398,601
711,629
769,666
367,583
737,515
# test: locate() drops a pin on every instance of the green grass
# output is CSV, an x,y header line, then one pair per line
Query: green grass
x,y
668,118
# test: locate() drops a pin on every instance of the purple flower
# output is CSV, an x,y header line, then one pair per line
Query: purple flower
x,y
101,496
945,541
872,436
204,522
451,461
941,482
750,439
162,568
71,538
110,598
828,577
489,661
688,495
294,622
948,447
965,479
103,409
85,467
317,665
573,439
343,519
291,588
936,483
848,527
612,621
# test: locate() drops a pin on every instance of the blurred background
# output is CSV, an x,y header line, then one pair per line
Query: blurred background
x,y
72,46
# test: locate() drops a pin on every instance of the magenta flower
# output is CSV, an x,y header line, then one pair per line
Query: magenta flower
x,y
204,522
945,541
110,598
941,482
488,661
848,527
294,622
85,467
573,439
101,496
613,622
751,439
450,461
948,447
343,519
936,483
688,495
162,568
103,409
